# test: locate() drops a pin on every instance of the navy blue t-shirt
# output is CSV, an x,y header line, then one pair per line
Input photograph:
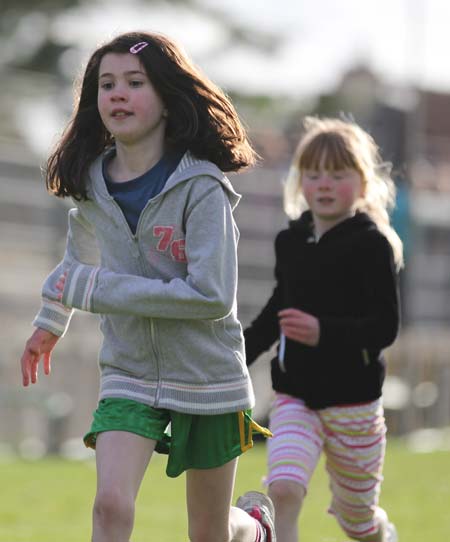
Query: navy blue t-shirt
x,y
132,196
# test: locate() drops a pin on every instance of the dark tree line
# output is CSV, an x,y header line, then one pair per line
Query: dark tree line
x,y
45,57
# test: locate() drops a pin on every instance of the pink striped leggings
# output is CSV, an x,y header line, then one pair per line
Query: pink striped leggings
x,y
353,439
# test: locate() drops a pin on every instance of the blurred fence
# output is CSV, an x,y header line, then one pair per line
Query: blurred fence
x,y
417,389
58,409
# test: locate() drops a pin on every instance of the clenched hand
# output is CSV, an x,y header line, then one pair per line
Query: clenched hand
x,y
300,326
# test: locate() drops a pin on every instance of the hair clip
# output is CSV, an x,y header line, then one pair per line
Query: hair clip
x,y
138,47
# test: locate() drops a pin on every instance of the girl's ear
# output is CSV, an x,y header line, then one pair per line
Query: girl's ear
x,y
165,113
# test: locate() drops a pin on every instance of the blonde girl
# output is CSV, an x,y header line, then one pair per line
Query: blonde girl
x,y
332,312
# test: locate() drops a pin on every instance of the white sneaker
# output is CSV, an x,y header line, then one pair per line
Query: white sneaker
x,y
389,530
260,507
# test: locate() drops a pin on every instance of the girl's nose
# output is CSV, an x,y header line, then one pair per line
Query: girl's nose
x,y
119,93
324,181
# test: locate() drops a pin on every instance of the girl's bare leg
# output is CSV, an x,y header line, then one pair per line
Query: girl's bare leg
x,y
210,514
122,459
287,497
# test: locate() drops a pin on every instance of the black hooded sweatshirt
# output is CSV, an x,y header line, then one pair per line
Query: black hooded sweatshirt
x,y
348,281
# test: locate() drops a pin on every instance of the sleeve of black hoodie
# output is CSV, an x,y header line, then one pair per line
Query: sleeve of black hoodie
x,y
265,329
378,327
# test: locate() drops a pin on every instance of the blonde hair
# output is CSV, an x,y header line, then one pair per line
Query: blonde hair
x,y
343,144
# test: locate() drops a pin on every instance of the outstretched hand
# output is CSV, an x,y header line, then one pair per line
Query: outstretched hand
x,y
39,345
300,326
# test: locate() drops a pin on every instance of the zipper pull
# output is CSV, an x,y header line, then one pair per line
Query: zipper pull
x,y
281,352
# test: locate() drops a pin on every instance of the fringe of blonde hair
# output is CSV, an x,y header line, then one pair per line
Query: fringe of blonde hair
x,y
342,143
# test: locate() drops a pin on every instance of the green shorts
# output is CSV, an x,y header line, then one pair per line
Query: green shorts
x,y
191,441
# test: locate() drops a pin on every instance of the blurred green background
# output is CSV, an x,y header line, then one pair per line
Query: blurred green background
x,y
51,499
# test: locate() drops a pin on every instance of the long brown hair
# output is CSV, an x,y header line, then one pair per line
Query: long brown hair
x,y
201,118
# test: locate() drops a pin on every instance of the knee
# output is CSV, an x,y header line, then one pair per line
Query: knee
x,y
112,507
287,493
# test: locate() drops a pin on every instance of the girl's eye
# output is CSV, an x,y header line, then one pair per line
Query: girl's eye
x,y
136,83
106,86
338,175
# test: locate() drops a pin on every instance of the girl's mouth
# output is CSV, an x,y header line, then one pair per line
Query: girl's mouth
x,y
120,113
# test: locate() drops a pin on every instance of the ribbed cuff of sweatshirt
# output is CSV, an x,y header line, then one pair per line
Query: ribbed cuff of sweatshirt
x,y
53,317
81,281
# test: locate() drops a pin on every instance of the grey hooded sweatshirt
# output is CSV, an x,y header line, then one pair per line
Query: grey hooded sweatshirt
x,y
166,296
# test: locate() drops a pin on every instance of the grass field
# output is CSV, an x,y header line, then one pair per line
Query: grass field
x,y
50,500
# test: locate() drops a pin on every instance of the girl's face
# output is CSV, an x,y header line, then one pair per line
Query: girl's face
x,y
129,106
331,194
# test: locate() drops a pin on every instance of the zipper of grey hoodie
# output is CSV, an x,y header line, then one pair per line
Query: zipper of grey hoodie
x,y
152,338
142,262
155,353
